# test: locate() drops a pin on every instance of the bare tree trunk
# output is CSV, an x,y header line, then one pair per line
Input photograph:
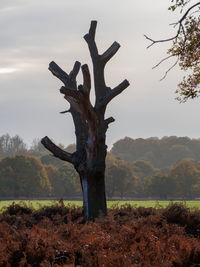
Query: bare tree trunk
x,y
94,199
90,123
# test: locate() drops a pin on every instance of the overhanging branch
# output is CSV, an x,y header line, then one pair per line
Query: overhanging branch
x,y
162,41
57,151
180,28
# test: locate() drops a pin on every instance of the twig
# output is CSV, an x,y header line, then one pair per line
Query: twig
x,y
65,111
169,69
161,61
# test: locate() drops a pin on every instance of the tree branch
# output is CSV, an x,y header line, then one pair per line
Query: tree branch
x,y
92,30
72,96
81,103
110,52
65,111
160,62
181,31
86,78
75,71
164,40
57,151
187,12
90,39
58,72
69,92
108,121
181,27
170,69
116,91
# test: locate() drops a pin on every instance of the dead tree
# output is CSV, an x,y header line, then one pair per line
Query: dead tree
x,y
90,123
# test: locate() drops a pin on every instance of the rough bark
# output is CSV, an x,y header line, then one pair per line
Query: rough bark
x,y
90,123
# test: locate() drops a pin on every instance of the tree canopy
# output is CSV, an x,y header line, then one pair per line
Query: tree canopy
x,y
23,176
159,185
10,146
187,178
120,178
160,153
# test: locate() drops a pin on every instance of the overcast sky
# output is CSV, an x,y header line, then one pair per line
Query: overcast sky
x,y
35,32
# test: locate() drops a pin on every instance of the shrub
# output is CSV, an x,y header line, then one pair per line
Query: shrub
x,y
128,236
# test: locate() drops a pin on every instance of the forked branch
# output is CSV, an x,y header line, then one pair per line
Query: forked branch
x,y
90,39
180,28
68,80
115,91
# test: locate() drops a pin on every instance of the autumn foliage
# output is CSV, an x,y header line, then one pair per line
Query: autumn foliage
x,y
128,236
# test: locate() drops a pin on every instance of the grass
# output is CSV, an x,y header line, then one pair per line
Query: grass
x,y
36,204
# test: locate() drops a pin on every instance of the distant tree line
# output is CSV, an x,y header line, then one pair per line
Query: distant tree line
x,y
161,153
30,177
33,173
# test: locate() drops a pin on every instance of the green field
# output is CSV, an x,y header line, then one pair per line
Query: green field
x,y
36,204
